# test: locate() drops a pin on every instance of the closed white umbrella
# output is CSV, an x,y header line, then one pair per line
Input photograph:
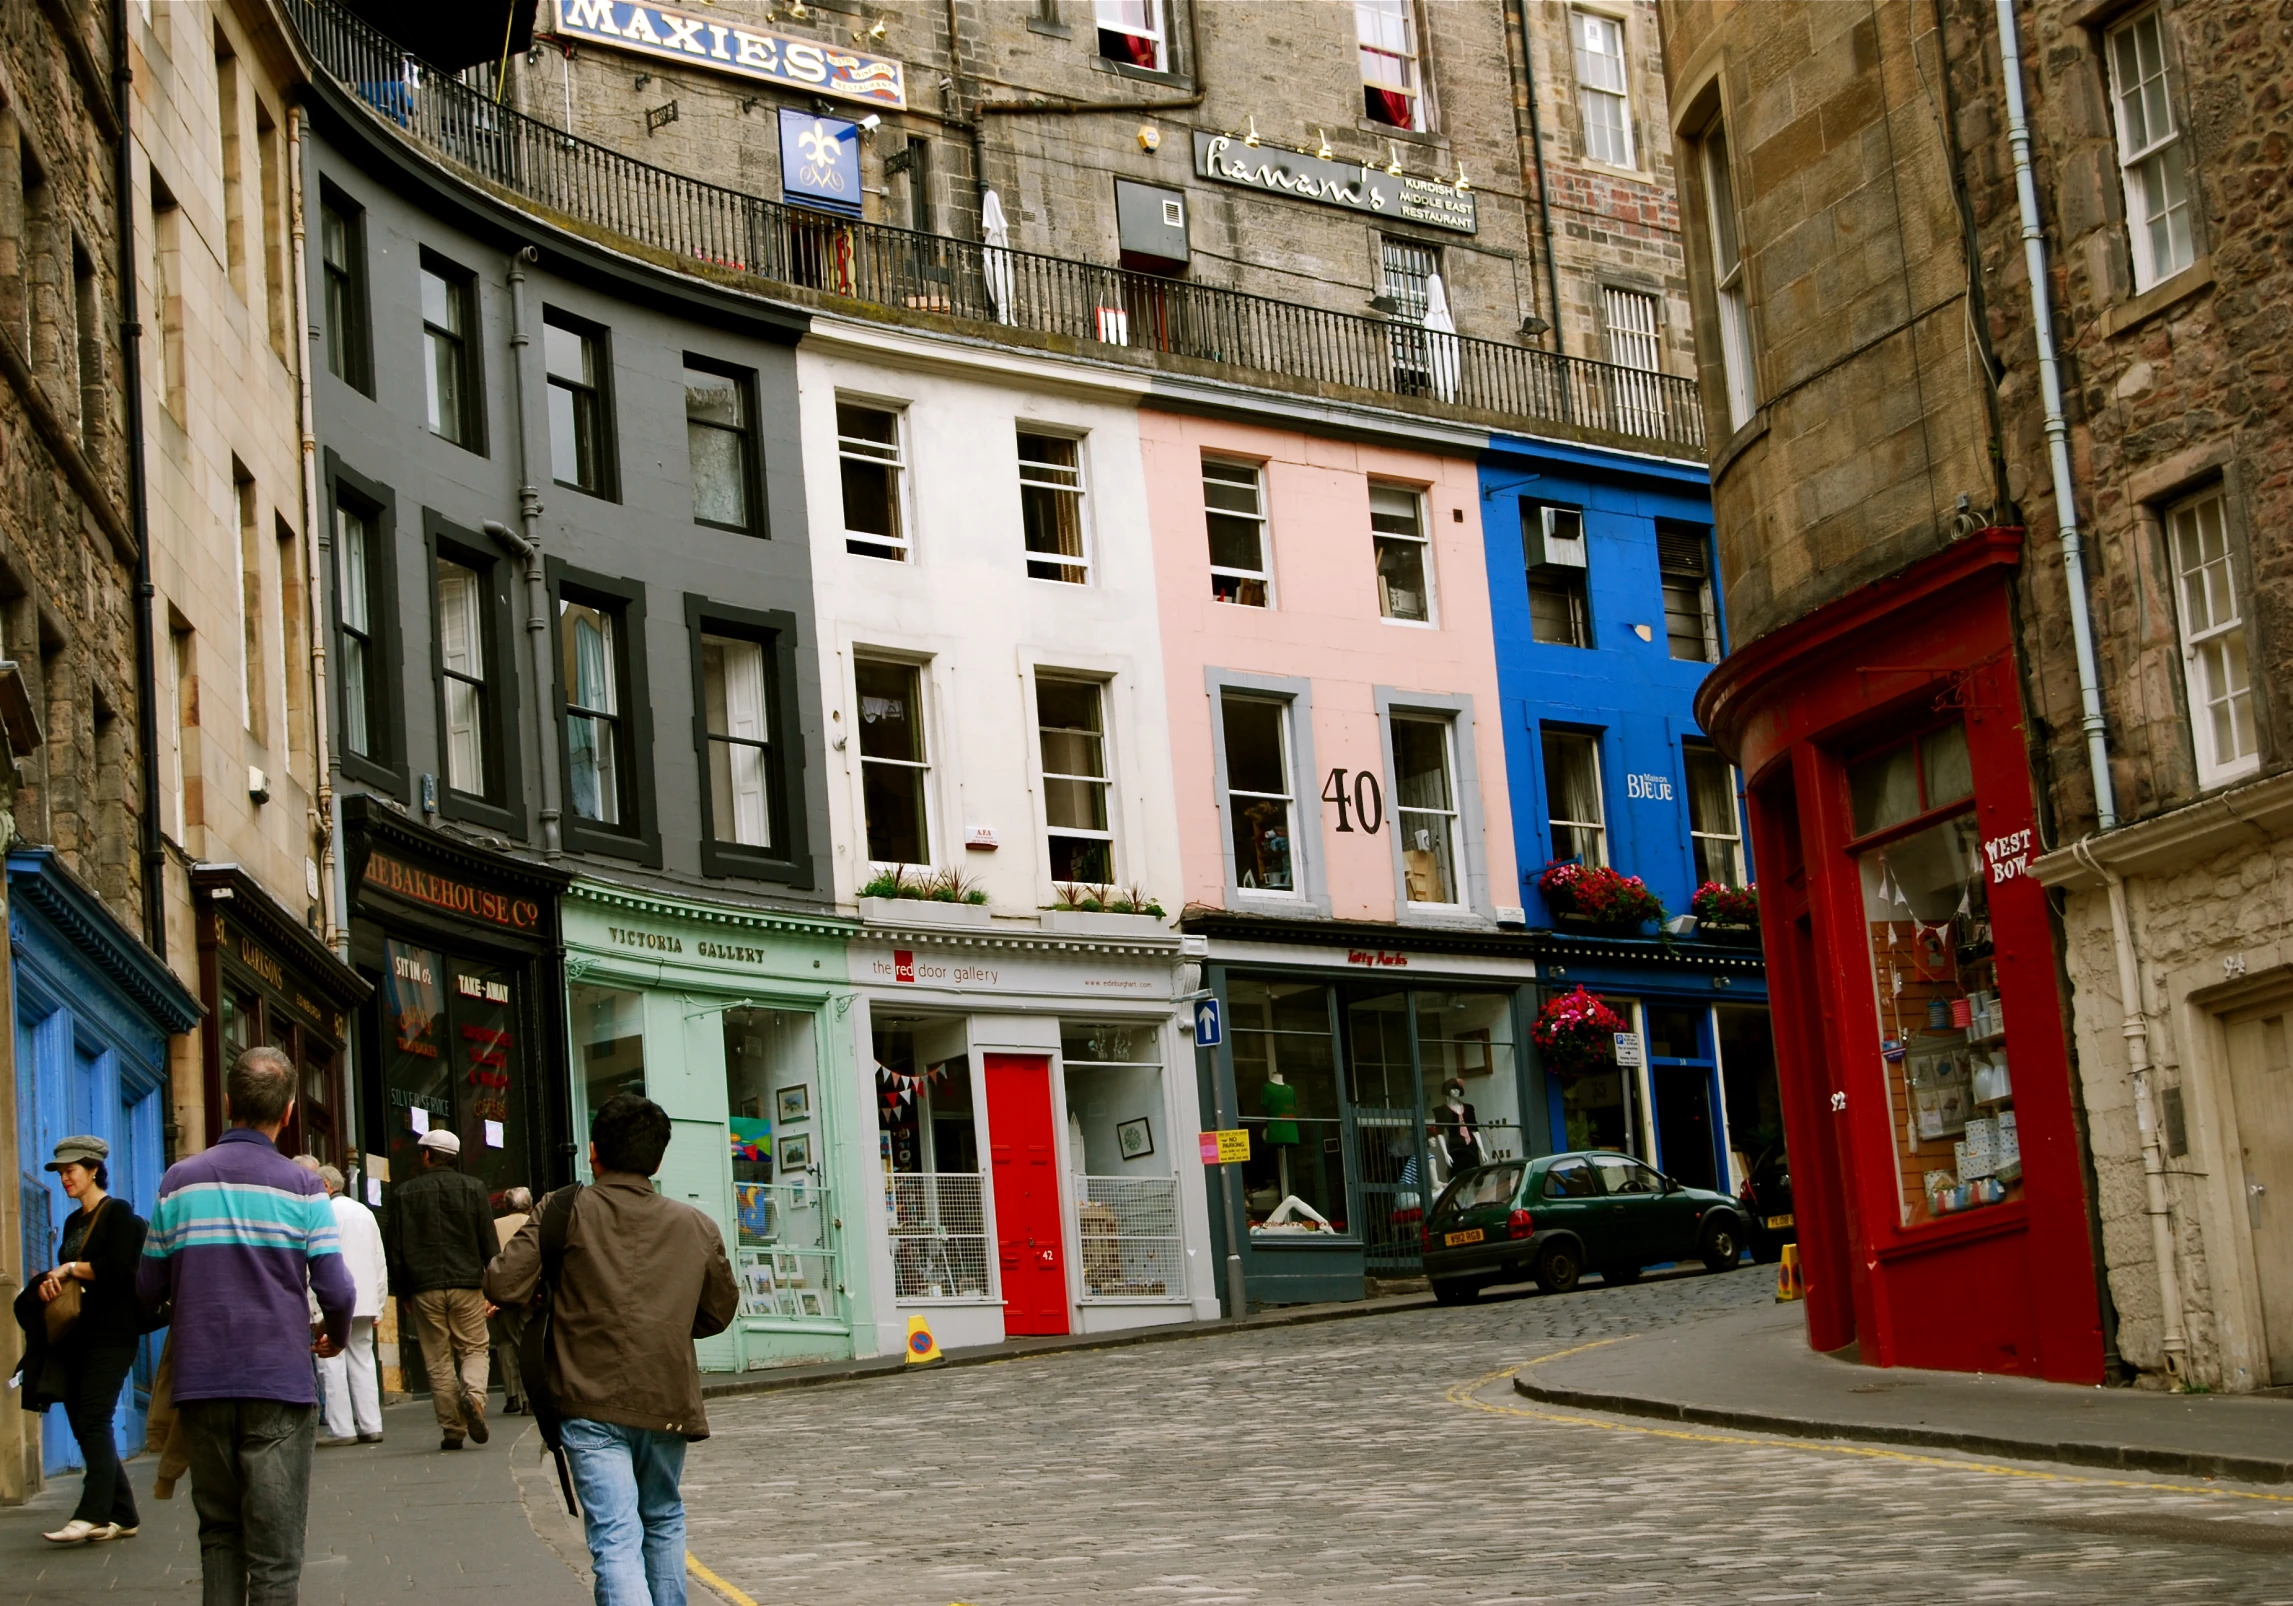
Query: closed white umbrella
x,y
995,261
1440,339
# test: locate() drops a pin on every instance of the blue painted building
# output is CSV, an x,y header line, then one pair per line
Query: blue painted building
x,y
94,1011
1604,597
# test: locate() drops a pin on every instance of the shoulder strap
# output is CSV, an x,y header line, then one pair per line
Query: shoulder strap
x,y
556,1221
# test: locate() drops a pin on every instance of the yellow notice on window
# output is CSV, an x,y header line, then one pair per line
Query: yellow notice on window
x,y
1226,1148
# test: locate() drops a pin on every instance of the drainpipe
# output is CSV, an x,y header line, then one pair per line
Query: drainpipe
x,y
528,547
318,549
2137,1034
139,521
1520,21
2057,428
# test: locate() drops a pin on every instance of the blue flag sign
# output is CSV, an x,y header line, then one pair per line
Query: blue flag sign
x,y
1209,1023
820,162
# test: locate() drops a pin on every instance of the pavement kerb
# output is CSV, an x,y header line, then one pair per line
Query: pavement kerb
x,y
2121,1457
727,1385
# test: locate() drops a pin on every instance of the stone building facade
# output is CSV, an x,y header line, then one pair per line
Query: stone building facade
x,y
1870,356
1045,104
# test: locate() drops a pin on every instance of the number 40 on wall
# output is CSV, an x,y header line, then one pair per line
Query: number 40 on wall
x,y
1366,797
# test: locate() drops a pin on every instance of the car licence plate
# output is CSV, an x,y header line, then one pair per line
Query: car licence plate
x,y
1777,1223
1471,1235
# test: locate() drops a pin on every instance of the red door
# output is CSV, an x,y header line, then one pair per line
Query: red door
x,y
1026,1193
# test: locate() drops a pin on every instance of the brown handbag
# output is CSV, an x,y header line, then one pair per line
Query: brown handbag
x,y
63,1312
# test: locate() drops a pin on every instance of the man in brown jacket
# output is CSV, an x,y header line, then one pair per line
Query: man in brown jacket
x,y
642,1277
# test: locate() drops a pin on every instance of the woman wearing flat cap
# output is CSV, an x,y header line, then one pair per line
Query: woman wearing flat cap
x,y
102,1241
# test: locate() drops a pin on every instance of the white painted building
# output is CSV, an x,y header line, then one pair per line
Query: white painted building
x,y
996,733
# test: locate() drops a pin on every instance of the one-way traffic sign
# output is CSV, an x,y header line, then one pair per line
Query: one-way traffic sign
x,y
1209,1024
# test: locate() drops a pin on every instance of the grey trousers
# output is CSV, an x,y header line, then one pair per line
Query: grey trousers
x,y
251,1485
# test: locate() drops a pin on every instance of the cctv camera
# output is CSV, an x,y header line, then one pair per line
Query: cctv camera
x,y
871,122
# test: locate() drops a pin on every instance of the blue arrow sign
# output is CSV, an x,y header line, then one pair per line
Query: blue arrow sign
x,y
1209,1024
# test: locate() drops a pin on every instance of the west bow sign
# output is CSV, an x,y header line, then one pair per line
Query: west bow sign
x,y
720,46
1356,186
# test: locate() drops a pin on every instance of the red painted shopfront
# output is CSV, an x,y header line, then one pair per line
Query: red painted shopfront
x,y
1920,1042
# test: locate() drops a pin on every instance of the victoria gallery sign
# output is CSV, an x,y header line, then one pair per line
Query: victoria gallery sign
x,y
720,46
1356,186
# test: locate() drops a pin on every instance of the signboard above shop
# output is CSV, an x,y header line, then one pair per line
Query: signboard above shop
x,y
1355,186
718,45
820,161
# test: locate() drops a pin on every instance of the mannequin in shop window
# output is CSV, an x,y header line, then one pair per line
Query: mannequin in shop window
x,y
1457,1128
1278,1102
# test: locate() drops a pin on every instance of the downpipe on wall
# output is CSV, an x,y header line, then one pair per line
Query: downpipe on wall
x,y
527,545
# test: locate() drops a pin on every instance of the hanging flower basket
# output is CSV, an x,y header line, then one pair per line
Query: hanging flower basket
x,y
1601,898
1576,1033
1724,913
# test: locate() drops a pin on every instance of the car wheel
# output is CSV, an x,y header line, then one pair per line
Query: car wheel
x,y
1455,1290
1723,1246
1558,1268
1620,1274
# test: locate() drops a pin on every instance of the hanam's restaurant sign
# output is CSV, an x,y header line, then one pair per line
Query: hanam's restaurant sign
x,y
1356,186
719,46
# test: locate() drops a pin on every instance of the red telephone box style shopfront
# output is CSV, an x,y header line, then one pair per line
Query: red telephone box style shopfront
x,y
1920,1042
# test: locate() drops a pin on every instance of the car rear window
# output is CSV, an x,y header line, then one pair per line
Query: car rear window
x,y
1493,1186
1571,1179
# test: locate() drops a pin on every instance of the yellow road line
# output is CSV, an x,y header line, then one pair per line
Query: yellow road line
x,y
735,1596
1464,1394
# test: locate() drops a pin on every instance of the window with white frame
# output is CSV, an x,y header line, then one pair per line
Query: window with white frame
x,y
1715,825
2212,620
1404,558
737,698
1133,33
1071,725
1425,809
1259,794
462,669
1572,797
1234,507
1684,563
870,466
1051,507
894,768
1387,35
596,724
1602,97
2153,157
1728,286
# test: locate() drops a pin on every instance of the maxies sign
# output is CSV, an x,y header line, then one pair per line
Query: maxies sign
x,y
720,46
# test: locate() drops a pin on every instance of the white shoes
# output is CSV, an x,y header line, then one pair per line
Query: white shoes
x,y
81,1532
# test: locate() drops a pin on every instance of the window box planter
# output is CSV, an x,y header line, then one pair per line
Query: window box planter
x,y
1730,933
1598,899
1098,923
923,912
1591,926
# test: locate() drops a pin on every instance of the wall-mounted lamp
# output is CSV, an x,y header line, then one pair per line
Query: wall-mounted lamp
x,y
1385,304
642,80
1393,153
1250,138
751,104
1462,187
798,12
533,57
1533,325
873,35
1324,152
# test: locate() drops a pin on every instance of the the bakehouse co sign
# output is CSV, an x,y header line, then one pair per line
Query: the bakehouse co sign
x,y
1355,186
744,52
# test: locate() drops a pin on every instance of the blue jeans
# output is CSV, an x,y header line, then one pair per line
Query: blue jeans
x,y
627,1479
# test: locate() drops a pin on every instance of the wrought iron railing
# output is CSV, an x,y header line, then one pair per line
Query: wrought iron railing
x,y
880,266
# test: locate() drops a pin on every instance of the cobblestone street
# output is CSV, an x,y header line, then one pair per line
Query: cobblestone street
x,y
1389,1459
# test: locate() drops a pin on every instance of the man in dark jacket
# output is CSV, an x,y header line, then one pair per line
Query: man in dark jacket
x,y
438,1238
642,1277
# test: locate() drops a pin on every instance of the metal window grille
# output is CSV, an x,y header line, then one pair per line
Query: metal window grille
x,y
1633,347
1408,272
1132,1246
790,249
787,1261
938,1227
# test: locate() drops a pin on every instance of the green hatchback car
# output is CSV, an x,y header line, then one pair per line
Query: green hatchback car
x,y
1559,1216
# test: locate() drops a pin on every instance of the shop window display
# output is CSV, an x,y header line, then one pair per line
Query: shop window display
x,y
1120,1155
1935,973
784,1255
608,1041
1285,1083
1465,1066
452,1057
933,1188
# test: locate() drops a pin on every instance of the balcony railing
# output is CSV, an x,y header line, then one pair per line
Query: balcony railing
x,y
898,269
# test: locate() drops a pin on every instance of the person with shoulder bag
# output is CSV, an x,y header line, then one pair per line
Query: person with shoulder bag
x,y
631,1280
91,1321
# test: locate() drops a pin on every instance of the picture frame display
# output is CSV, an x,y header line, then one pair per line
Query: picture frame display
x,y
796,1152
795,1103
1135,1138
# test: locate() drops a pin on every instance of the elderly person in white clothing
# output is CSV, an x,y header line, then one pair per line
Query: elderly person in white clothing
x,y
350,1388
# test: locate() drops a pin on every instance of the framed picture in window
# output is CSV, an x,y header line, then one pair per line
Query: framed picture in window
x,y
1135,1139
795,1103
811,1304
796,1152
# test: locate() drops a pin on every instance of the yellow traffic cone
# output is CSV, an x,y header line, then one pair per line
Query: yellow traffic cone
x,y
922,1346
1789,1284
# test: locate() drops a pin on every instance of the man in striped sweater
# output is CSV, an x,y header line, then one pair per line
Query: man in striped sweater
x,y
240,1241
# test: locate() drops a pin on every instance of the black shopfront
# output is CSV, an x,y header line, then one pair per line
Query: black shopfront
x,y
464,1030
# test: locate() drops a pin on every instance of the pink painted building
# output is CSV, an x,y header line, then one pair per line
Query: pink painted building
x,y
1344,831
